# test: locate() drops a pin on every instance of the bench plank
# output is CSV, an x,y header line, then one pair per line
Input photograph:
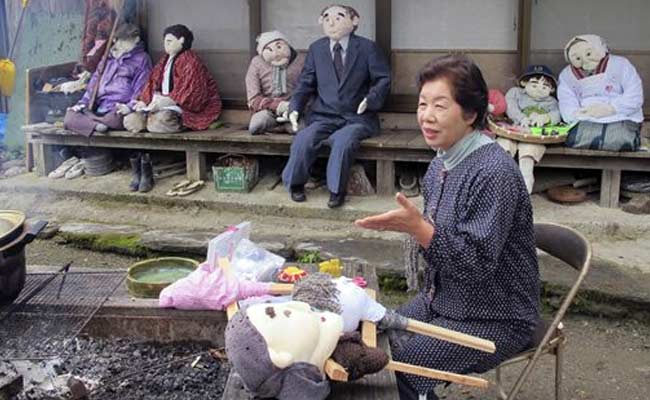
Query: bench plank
x,y
386,149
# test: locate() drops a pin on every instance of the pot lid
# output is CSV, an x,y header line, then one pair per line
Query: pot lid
x,y
10,220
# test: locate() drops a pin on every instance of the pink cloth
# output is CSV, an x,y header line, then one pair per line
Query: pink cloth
x,y
207,288
498,101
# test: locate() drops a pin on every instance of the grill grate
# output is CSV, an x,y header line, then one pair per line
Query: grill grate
x,y
39,322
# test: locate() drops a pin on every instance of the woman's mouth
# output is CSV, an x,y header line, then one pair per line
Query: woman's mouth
x,y
430,133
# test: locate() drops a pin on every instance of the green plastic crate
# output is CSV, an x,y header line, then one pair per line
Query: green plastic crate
x,y
235,173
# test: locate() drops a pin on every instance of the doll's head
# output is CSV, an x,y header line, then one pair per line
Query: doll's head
x,y
585,52
338,21
280,349
127,36
177,38
538,81
274,48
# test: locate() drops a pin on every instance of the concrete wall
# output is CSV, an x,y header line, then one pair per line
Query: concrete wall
x,y
47,38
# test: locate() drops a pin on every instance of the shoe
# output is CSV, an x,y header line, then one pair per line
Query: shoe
x,y
336,200
136,171
60,171
408,184
75,171
146,174
298,193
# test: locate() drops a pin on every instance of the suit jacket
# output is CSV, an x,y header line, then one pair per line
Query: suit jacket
x,y
367,74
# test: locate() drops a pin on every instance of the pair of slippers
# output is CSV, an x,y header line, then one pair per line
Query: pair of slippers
x,y
71,168
185,187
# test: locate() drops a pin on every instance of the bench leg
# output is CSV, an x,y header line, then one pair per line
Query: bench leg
x,y
385,177
610,188
196,165
45,158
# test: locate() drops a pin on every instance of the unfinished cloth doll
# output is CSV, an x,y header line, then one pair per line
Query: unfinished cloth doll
x,y
181,92
531,104
270,80
604,93
279,350
348,79
120,80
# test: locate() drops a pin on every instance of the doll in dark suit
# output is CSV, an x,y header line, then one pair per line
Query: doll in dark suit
x,y
348,78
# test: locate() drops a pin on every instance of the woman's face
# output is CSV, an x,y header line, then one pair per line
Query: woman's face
x,y
440,118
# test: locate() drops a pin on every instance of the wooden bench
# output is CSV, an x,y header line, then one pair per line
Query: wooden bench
x,y
389,147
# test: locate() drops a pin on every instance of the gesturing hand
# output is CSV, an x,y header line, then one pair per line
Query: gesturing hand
x,y
407,218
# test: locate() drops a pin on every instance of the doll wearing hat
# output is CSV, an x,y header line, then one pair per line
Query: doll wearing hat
x,y
270,80
531,104
603,93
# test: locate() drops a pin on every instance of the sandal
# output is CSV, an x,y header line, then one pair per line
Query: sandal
x,y
181,184
191,188
76,170
409,185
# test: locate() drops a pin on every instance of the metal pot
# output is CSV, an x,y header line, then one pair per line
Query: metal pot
x,y
12,252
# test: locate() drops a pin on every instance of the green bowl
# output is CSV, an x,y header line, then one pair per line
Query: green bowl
x,y
145,279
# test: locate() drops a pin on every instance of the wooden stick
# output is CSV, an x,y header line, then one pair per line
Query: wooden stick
x,y
369,329
437,374
450,336
102,63
335,371
279,289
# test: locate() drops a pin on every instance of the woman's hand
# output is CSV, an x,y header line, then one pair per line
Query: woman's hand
x,y
407,218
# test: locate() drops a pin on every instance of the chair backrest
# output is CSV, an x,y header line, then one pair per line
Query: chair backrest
x,y
564,243
573,248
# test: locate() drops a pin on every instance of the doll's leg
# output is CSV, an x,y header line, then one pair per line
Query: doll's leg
x,y
80,122
622,136
529,155
261,121
135,122
165,121
510,146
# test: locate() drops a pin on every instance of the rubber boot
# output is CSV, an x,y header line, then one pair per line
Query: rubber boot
x,y
135,172
526,165
146,176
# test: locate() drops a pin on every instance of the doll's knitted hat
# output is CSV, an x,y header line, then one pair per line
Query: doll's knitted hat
x,y
248,352
268,37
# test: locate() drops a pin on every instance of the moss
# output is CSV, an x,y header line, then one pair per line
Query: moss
x,y
108,242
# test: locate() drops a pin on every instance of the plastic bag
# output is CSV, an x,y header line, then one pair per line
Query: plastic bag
x,y
208,288
225,244
250,261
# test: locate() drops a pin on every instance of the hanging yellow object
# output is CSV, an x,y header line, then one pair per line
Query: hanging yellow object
x,y
25,3
7,77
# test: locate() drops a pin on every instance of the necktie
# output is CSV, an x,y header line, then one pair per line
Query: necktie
x,y
338,60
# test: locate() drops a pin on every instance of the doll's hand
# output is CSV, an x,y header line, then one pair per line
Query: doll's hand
x,y
282,108
122,109
539,119
140,106
77,108
363,106
525,122
597,110
159,102
72,86
293,118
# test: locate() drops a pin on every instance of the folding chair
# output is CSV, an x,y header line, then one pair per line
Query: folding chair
x,y
572,247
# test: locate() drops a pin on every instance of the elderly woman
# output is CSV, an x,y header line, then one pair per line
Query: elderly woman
x,y
476,234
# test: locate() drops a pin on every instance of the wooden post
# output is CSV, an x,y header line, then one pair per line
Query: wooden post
x,y
196,165
383,26
524,34
254,24
610,188
385,177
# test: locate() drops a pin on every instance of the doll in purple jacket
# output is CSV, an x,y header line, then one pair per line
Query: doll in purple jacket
x,y
125,73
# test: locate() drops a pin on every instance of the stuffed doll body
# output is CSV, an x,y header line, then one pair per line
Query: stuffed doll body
x,y
271,78
531,104
123,76
603,93
348,79
181,92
